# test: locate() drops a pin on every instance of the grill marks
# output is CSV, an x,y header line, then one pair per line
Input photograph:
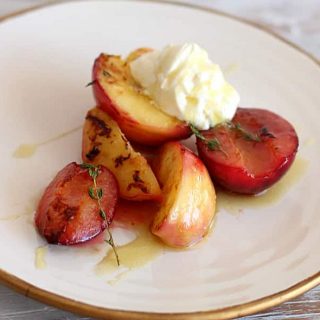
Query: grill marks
x,y
119,160
66,213
59,213
138,182
103,143
93,153
103,131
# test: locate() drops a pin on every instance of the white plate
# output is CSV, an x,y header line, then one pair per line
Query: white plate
x,y
45,60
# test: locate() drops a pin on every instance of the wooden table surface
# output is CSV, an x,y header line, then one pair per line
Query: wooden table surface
x,y
297,20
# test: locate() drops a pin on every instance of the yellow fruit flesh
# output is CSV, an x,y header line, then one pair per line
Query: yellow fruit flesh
x,y
169,174
189,198
116,79
104,144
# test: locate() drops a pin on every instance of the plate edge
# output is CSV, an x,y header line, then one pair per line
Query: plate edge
x,y
245,21
230,312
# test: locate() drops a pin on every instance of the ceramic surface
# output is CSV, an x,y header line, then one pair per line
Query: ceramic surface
x,y
254,251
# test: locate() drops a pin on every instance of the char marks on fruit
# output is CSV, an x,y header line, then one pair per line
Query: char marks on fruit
x,y
66,214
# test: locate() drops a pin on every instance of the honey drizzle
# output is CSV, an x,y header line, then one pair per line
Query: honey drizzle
x,y
144,248
235,204
40,257
27,150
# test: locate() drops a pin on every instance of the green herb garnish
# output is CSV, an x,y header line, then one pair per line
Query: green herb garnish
x,y
96,193
264,132
243,132
91,83
212,144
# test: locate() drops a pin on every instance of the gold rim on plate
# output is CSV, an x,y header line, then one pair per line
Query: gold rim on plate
x,y
224,313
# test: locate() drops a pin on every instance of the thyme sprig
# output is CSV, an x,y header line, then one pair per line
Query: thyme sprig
x,y
243,132
263,132
96,193
212,144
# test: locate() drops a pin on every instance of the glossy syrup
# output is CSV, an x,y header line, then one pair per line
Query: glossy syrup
x,y
27,150
40,257
10,217
231,68
235,204
145,247
137,253
142,249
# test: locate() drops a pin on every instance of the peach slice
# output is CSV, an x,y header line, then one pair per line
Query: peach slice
x,y
188,208
135,54
123,99
103,143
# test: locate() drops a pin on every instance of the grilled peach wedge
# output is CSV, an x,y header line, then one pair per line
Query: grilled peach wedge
x,y
188,208
104,144
123,99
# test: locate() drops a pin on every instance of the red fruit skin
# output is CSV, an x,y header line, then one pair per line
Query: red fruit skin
x,y
66,214
250,167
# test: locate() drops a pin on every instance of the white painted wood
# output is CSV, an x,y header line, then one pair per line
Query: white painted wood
x,y
297,20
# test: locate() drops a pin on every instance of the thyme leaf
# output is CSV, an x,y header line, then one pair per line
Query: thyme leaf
x,y
91,83
103,214
264,132
92,193
212,144
196,132
96,193
86,165
99,193
93,173
243,132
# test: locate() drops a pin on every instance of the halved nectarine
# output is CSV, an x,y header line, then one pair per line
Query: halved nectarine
x,y
104,144
123,99
255,150
189,202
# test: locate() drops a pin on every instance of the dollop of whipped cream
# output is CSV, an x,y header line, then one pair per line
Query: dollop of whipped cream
x,y
184,83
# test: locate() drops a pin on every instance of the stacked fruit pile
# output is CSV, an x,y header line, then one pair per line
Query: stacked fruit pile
x,y
245,155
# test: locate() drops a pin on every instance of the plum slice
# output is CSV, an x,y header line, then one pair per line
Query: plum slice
x,y
250,153
67,214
